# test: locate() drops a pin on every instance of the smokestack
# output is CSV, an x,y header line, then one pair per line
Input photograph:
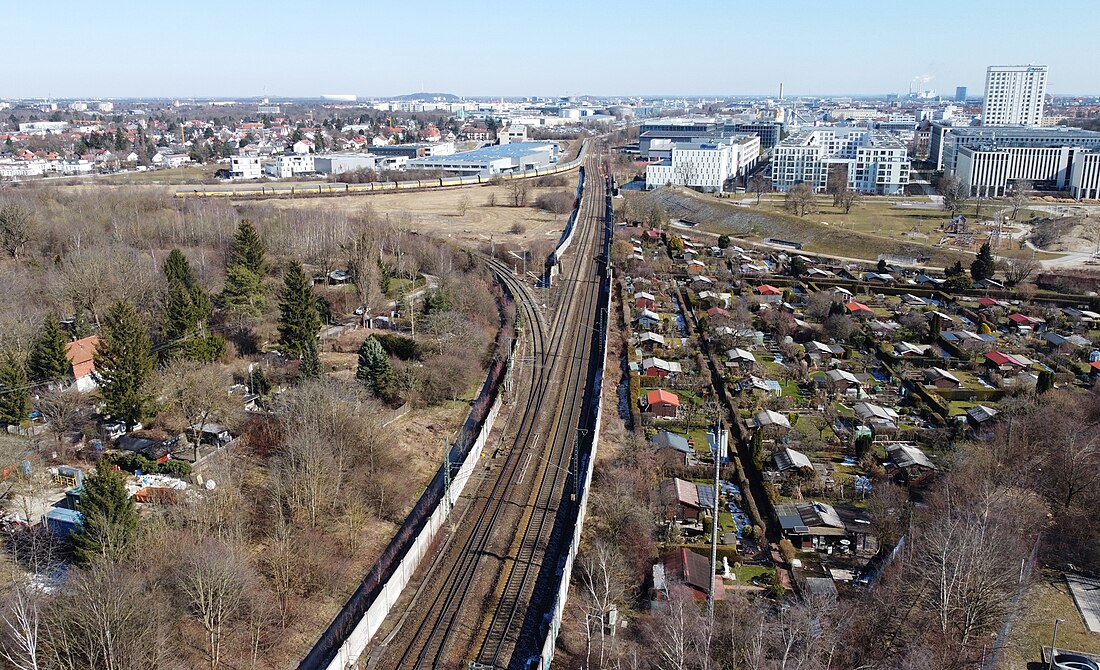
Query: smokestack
x,y
780,90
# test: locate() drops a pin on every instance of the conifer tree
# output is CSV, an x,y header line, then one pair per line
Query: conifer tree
x,y
15,396
984,266
178,269
124,362
187,313
110,518
298,319
374,369
310,366
47,361
245,269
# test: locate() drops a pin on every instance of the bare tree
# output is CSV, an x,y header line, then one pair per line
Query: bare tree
x,y
65,410
518,190
760,184
1017,197
1018,270
953,192
195,393
22,629
15,228
214,580
463,205
800,200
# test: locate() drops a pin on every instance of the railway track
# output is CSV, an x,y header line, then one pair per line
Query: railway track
x,y
479,586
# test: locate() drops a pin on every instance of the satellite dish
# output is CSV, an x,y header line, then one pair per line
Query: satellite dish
x,y
210,485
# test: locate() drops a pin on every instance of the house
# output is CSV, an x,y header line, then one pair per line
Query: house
x,y
662,403
927,280
741,358
884,329
81,355
997,360
819,352
656,367
648,319
913,300
696,267
903,349
986,302
752,383
880,278
818,525
980,418
667,440
1025,323
693,571
1056,340
858,309
842,381
210,433
768,289
650,341
786,459
644,300
879,418
908,462
941,378
718,313
683,500
770,419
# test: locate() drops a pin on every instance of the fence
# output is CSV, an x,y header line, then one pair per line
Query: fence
x,y
598,364
341,645
554,260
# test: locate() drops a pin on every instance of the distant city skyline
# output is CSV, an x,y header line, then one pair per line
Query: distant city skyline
x,y
648,48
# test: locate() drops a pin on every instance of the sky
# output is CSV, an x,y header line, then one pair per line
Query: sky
x,y
229,48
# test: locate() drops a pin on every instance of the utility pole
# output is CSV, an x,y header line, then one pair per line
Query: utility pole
x,y
719,439
447,483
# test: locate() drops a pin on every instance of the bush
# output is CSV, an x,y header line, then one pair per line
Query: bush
x,y
551,180
405,348
132,462
786,550
558,202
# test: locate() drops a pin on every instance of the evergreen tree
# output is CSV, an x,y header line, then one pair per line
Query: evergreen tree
x,y
955,270
242,291
935,327
178,269
374,368
124,362
1046,382
984,265
47,361
15,396
298,319
797,267
110,517
248,249
81,328
310,367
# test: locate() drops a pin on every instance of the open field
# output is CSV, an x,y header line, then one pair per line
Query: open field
x,y
438,211
190,174
1046,600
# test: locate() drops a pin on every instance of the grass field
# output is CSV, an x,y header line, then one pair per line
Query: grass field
x,y
1046,600
876,225
438,211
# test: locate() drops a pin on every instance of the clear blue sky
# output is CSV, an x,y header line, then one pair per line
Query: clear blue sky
x,y
551,47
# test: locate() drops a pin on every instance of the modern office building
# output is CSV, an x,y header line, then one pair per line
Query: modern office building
x,y
1014,95
705,130
340,163
960,94
290,165
946,141
493,160
245,167
876,161
707,166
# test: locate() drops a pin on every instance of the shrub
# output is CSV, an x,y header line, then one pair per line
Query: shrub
x,y
786,550
402,347
551,180
558,202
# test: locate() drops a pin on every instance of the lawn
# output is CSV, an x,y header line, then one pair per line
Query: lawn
x,y
745,573
1047,599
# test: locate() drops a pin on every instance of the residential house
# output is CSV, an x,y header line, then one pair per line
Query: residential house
x,y
908,462
718,313
1004,363
683,500
820,526
672,448
690,569
941,378
1023,323
648,341
879,418
843,382
647,319
744,360
768,289
820,353
980,418
860,310
656,367
662,403
904,349
644,300
768,419
787,459
1057,340
81,355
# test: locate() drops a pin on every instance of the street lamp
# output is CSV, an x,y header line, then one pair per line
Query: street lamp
x,y
1054,644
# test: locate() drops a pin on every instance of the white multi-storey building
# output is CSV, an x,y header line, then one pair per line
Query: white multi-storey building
x,y
289,165
245,167
702,165
1014,95
876,161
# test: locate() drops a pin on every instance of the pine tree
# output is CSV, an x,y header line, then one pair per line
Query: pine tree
x,y
124,362
245,269
81,327
178,269
1045,383
110,517
374,368
935,327
310,367
984,266
47,361
298,319
248,249
15,396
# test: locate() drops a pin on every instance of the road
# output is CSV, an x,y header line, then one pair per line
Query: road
x,y
483,597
